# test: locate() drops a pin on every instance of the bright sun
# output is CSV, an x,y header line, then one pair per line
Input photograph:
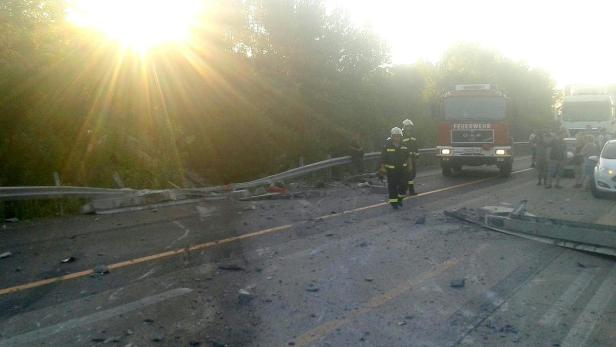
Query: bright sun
x,y
137,24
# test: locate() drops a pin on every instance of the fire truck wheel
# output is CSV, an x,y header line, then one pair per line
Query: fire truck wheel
x,y
505,170
457,169
446,170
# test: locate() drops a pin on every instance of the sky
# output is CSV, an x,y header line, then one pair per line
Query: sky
x,y
575,41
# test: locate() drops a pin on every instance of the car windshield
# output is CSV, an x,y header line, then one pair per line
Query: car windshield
x,y
475,107
586,111
609,151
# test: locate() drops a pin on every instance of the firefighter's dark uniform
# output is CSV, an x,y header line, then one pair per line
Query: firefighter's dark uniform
x,y
395,161
411,143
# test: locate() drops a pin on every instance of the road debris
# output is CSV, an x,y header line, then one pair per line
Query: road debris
x,y
101,270
12,220
5,255
230,267
244,296
312,288
401,323
68,260
516,221
368,279
158,338
457,283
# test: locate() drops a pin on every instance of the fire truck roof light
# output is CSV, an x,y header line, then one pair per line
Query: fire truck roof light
x,y
463,87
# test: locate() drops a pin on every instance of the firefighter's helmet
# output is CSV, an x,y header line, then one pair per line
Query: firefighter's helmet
x,y
396,131
408,123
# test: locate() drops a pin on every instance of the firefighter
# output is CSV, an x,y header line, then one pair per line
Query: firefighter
x,y
395,161
411,142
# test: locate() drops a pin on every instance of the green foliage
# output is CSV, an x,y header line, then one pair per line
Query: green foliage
x,y
263,83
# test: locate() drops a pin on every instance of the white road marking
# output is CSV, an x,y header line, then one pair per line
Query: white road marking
x,y
593,312
29,337
566,301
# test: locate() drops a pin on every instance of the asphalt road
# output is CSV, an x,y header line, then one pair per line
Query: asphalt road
x,y
338,268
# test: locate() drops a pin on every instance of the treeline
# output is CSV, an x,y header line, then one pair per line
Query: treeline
x,y
263,83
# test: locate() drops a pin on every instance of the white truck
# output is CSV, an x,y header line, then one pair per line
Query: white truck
x,y
587,113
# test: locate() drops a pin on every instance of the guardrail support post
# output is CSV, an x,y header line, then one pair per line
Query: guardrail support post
x,y
301,161
329,170
56,179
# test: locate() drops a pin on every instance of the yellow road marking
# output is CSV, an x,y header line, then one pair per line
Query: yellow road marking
x,y
377,301
211,244
325,329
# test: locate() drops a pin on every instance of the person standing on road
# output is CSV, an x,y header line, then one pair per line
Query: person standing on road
x,y
578,161
589,149
410,142
532,139
395,162
541,158
557,156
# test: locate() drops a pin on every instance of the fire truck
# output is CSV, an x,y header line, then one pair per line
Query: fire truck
x,y
474,129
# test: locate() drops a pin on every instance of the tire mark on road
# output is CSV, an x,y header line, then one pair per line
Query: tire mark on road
x,y
474,312
566,301
585,324
29,337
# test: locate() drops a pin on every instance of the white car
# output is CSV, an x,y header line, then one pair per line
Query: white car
x,y
604,179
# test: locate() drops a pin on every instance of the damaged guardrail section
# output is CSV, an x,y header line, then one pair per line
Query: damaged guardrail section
x,y
596,238
107,198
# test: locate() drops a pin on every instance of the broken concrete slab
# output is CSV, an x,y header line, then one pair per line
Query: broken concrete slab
x,y
589,237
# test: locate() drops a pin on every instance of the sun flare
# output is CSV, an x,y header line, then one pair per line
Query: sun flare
x,y
137,24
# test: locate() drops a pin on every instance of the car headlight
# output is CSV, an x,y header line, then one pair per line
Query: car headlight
x,y
445,151
500,152
610,172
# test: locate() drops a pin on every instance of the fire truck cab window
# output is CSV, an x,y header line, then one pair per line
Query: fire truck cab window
x,y
475,107
586,111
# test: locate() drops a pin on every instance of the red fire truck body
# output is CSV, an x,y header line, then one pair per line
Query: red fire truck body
x,y
474,129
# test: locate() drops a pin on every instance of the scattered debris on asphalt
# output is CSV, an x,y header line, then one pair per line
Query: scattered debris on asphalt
x,y
157,339
97,339
5,255
244,297
368,279
101,270
458,283
12,220
68,260
312,288
148,320
401,323
363,244
420,220
230,267
277,187
113,339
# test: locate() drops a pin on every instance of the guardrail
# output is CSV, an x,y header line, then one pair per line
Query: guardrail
x,y
56,192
